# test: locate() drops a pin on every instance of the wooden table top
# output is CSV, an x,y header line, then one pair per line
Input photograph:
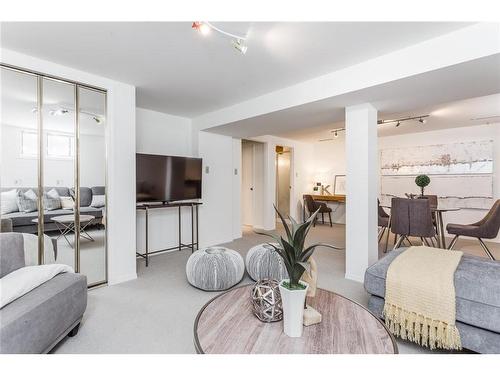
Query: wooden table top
x,y
226,325
329,198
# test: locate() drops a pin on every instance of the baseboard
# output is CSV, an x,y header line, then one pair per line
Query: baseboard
x,y
122,278
354,277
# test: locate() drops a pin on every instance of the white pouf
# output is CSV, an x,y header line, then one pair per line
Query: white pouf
x,y
215,268
263,262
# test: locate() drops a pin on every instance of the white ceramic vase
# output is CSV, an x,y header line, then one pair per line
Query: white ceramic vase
x,y
293,309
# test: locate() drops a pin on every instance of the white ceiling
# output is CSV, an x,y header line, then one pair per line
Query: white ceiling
x,y
178,71
417,95
468,112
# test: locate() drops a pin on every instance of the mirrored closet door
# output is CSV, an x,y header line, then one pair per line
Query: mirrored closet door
x,y
53,170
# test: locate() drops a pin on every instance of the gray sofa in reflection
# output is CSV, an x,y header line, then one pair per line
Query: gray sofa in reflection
x,y
37,321
477,289
23,221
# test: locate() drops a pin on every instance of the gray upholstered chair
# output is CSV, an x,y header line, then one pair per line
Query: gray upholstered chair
x,y
383,221
412,218
38,320
312,206
487,228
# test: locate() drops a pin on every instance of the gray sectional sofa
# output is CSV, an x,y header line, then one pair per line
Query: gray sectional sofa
x,y
37,321
23,222
477,288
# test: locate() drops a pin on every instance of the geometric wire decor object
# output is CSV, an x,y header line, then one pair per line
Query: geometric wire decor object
x,y
266,301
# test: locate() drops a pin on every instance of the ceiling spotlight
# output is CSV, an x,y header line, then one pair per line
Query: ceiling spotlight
x,y
97,119
58,112
336,134
399,123
202,27
422,120
239,46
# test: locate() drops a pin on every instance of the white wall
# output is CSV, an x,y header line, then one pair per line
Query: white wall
x,y
164,134
120,144
237,180
218,212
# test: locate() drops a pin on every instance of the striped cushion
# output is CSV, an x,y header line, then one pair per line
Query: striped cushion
x,y
215,268
263,262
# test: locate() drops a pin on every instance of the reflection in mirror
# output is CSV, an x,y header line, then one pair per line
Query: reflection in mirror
x,y
58,141
19,160
92,108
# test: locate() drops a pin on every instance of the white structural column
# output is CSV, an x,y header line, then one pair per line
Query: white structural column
x,y
361,189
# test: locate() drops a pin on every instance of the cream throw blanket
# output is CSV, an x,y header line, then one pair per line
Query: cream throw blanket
x,y
420,297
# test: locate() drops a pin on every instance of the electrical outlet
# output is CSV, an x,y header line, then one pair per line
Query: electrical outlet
x,y
207,169
235,171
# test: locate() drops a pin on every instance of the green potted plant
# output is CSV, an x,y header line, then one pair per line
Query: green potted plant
x,y
295,256
422,181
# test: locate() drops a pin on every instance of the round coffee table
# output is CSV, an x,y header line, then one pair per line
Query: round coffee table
x,y
226,325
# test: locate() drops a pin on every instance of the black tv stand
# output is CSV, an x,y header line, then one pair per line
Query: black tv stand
x,y
194,226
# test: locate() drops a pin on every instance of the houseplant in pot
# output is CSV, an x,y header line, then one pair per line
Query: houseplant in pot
x,y
422,181
295,255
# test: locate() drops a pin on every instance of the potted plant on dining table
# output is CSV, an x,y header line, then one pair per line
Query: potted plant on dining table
x,y
295,257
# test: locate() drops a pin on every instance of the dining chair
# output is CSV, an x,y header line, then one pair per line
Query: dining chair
x,y
313,206
412,218
383,221
486,228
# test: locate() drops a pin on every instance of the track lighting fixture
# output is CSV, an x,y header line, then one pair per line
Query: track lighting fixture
x,y
238,41
58,112
398,121
62,111
239,46
202,27
336,134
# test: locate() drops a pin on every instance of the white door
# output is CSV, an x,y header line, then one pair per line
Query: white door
x,y
247,183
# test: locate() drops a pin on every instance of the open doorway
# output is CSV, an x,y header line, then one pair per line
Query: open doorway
x,y
283,179
252,184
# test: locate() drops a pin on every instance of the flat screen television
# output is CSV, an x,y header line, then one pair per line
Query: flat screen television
x,y
161,178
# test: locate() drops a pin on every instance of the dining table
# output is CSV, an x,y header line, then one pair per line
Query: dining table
x,y
438,211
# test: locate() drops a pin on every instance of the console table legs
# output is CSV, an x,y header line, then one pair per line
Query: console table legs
x,y
180,245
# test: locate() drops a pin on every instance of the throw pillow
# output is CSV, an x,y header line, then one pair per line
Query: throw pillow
x,y
51,200
27,202
67,203
8,202
98,201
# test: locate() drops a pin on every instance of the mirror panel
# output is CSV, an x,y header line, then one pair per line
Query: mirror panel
x,y
92,166
58,146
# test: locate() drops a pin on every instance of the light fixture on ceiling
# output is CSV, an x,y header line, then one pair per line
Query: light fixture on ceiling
x,y
202,27
58,112
238,41
336,134
62,111
421,119
240,47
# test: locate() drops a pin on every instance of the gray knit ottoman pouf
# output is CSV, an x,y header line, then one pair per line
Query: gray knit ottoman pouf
x,y
215,268
263,262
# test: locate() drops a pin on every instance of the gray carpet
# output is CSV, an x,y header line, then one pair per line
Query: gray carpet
x,y
156,312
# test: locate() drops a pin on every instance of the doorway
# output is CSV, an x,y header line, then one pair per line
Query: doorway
x,y
283,179
252,183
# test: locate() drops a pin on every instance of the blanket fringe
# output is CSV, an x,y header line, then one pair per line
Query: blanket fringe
x,y
420,329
